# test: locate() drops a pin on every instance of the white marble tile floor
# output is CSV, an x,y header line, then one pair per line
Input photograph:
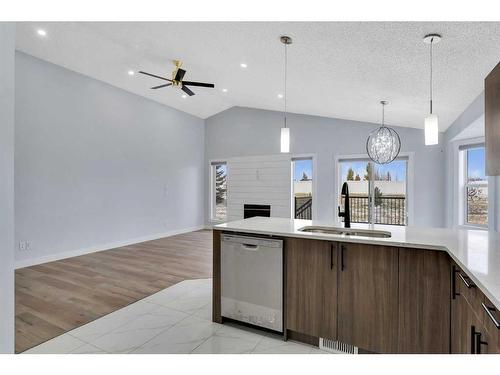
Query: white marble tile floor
x,y
176,320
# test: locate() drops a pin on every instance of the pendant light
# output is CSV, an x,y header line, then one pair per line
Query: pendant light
x,y
383,144
431,121
285,131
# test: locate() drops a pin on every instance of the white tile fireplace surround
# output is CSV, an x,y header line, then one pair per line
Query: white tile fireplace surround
x,y
176,320
262,180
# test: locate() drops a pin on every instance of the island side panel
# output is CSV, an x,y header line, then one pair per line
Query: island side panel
x,y
216,278
424,302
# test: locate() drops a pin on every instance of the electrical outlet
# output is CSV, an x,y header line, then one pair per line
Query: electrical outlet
x,y
25,245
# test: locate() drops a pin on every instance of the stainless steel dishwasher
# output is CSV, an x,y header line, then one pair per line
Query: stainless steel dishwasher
x,y
252,280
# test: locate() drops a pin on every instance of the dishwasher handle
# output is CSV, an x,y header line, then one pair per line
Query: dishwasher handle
x,y
250,247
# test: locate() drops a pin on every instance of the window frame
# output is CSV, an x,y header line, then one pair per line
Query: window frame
x,y
409,156
212,190
463,184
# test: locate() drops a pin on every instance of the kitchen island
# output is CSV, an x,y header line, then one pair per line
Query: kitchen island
x,y
422,290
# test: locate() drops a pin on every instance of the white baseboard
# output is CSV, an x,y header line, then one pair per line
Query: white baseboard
x,y
73,253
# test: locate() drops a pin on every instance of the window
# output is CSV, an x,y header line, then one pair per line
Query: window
x,y
475,185
302,188
218,191
378,193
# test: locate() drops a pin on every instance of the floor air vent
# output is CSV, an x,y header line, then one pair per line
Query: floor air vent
x,y
337,346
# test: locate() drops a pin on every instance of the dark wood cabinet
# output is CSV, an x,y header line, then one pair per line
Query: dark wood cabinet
x,y
382,299
491,324
492,346
473,328
216,280
464,326
424,301
311,287
470,335
492,121
464,320
368,297
455,316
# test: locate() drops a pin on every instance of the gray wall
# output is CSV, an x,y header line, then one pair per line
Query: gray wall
x,y
7,45
467,117
470,114
243,131
96,166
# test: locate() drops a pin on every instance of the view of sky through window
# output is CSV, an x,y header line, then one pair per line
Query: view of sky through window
x,y
475,164
301,167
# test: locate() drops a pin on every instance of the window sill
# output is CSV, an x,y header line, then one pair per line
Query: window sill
x,y
472,227
217,222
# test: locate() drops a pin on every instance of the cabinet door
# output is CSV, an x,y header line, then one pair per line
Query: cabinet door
x,y
368,297
464,327
424,301
491,341
311,287
491,319
456,318
480,338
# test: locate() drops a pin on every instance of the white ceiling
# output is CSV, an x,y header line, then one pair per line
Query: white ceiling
x,y
336,69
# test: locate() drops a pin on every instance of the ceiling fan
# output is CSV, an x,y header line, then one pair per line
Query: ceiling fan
x,y
176,81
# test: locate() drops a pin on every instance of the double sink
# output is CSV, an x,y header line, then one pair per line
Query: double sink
x,y
346,231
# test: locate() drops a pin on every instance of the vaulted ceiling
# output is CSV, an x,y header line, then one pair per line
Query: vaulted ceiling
x,y
336,69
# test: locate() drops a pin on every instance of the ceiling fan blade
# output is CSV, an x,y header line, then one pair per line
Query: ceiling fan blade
x,y
180,74
200,84
159,87
153,75
187,91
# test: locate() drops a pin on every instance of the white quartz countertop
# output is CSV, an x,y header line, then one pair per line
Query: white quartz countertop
x,y
477,252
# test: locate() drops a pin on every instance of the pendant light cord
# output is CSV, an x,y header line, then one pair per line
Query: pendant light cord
x,y
432,40
384,103
383,114
286,65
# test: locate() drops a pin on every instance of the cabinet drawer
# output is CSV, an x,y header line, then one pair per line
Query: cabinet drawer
x,y
471,293
491,322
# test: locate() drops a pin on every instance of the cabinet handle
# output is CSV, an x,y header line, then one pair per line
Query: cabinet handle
x,y
331,256
465,281
454,292
488,311
342,248
479,342
473,334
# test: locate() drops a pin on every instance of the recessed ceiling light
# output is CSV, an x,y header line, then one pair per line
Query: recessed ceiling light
x,y
131,72
224,90
184,96
243,65
41,32
280,96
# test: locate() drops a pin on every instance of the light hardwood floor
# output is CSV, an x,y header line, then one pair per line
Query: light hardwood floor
x,y
55,297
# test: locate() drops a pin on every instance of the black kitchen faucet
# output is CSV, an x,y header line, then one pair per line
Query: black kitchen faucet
x,y
347,211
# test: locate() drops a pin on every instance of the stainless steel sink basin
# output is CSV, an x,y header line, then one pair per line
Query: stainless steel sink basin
x,y
347,231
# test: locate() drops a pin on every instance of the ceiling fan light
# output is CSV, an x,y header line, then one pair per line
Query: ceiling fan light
x,y
431,130
285,140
